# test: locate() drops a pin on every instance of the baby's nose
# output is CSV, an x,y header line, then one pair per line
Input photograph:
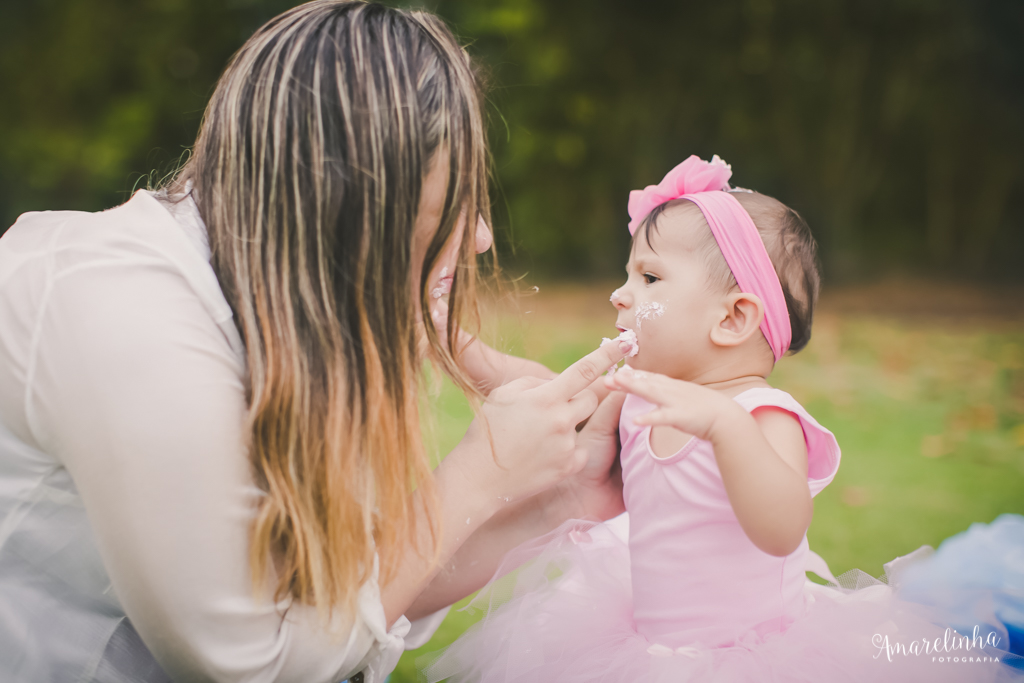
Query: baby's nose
x,y
620,298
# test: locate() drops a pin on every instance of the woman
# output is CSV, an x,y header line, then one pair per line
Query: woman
x,y
210,458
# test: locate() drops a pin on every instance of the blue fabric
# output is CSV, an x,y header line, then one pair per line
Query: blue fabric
x,y
976,578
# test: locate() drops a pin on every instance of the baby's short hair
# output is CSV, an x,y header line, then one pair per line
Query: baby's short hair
x,y
790,246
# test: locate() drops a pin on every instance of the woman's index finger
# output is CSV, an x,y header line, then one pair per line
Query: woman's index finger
x,y
585,371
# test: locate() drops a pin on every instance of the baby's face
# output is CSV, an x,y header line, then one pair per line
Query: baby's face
x,y
666,300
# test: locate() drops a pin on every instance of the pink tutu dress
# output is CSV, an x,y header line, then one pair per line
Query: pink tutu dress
x,y
683,594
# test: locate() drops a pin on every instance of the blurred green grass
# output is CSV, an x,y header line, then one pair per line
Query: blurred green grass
x,y
928,410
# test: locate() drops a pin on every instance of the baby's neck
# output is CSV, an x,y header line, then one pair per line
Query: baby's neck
x,y
736,385
732,370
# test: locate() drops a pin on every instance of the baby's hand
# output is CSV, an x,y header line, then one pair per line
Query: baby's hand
x,y
688,407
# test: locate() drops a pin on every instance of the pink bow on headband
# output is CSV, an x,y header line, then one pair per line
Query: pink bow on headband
x,y
705,183
692,176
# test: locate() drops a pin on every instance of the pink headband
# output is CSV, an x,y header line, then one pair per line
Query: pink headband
x,y
705,184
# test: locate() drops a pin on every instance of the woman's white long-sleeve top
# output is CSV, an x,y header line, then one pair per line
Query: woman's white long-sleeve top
x,y
125,486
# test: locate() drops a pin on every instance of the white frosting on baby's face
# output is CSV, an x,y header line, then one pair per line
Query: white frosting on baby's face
x,y
647,311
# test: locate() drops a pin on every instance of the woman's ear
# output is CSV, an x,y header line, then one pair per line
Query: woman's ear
x,y
743,313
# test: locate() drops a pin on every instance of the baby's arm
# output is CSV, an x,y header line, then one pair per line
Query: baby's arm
x,y
762,456
772,502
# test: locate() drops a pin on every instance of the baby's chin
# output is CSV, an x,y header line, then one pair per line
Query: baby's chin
x,y
639,362
650,360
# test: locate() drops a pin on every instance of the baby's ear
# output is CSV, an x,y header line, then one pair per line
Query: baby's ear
x,y
741,318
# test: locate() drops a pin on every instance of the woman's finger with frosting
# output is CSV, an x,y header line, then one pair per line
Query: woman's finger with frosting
x,y
586,370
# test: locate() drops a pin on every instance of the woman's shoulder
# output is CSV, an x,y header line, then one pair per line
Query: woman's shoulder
x,y
145,235
127,279
144,226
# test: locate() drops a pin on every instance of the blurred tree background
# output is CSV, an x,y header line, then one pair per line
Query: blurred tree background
x,y
895,126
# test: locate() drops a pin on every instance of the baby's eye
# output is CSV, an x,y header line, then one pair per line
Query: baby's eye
x,y
651,279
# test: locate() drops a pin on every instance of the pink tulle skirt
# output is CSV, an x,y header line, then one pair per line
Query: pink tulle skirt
x,y
562,612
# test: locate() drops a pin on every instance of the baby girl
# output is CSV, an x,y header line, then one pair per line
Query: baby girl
x,y
719,470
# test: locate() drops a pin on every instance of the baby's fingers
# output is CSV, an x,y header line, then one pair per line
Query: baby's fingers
x,y
648,386
654,418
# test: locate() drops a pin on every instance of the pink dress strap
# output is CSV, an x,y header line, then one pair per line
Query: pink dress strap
x,y
822,448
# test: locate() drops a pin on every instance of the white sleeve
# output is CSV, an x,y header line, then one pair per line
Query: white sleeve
x,y
424,628
136,390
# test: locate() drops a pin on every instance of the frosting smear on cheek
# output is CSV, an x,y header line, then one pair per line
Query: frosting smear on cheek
x,y
648,311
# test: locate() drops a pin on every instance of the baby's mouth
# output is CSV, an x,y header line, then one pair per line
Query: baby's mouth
x,y
626,335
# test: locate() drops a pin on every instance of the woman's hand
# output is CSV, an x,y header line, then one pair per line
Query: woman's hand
x,y
592,488
531,426
596,490
688,407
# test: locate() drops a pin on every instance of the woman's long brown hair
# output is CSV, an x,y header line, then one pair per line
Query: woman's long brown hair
x,y
308,173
